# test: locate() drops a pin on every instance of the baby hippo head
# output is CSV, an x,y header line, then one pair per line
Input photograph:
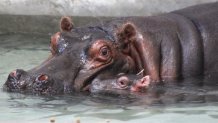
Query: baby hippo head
x,y
122,84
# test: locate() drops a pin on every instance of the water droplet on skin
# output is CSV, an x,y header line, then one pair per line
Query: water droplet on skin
x,y
62,44
85,37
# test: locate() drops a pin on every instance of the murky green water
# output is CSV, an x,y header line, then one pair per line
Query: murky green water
x,y
173,105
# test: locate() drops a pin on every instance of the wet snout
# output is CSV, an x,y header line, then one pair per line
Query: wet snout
x,y
20,80
14,81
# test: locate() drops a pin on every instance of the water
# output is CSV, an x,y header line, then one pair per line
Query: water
x,y
175,104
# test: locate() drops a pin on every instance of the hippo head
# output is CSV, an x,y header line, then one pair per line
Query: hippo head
x,y
78,55
120,85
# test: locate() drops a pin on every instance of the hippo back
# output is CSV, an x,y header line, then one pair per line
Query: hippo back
x,y
205,18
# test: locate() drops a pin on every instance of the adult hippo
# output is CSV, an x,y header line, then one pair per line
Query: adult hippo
x,y
178,44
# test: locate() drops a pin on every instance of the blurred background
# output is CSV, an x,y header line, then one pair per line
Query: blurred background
x,y
42,16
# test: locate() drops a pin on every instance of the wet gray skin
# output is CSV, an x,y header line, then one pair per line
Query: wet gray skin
x,y
68,64
120,85
179,44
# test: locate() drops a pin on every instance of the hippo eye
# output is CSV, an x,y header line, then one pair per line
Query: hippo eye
x,y
99,53
104,51
123,82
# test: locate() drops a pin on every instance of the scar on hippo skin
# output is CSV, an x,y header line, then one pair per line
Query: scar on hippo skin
x,y
66,24
136,45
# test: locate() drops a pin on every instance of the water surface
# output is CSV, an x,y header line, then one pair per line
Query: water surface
x,y
177,103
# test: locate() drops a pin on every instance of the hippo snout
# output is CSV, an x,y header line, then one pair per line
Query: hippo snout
x,y
14,82
21,81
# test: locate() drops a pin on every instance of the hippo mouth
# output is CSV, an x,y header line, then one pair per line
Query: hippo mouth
x,y
84,77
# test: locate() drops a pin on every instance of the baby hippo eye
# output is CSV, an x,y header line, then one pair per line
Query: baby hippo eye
x,y
104,51
123,82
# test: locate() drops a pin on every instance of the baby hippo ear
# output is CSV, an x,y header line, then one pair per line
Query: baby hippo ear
x,y
126,33
145,81
66,24
141,84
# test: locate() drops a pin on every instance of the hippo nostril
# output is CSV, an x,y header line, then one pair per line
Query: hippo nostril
x,y
19,73
41,83
12,76
14,80
16,74
13,73
42,78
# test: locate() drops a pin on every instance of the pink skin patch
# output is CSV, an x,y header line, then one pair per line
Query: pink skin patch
x,y
13,73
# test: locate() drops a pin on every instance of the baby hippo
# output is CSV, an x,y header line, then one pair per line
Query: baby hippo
x,y
122,84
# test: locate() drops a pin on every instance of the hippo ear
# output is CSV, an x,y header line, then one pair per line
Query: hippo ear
x,y
126,33
66,24
145,81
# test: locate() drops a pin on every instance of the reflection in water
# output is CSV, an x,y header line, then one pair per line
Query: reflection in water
x,y
189,98
161,100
